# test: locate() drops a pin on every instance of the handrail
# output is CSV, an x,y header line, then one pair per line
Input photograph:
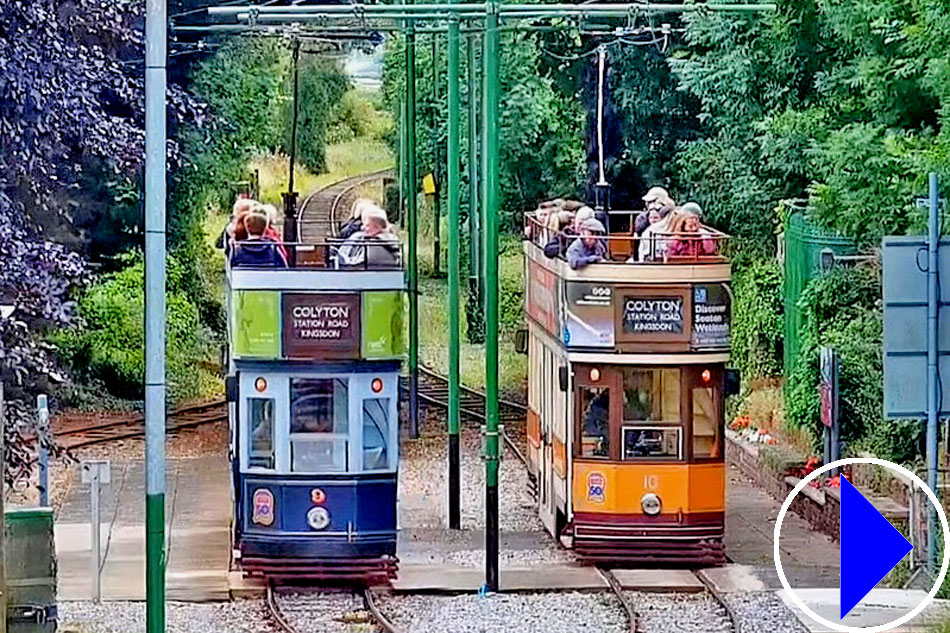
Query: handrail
x,y
708,245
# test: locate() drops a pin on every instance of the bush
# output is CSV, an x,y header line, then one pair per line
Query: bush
x,y
322,84
757,326
357,117
109,345
842,310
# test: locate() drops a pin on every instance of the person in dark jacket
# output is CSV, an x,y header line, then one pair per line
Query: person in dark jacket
x,y
589,247
257,251
355,223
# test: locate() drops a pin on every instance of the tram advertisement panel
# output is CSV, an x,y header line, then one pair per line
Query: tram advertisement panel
x,y
711,315
542,298
588,315
318,323
255,324
382,324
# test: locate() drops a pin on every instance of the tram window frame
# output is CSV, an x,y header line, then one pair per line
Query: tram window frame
x,y
609,379
253,455
663,428
338,440
695,382
385,433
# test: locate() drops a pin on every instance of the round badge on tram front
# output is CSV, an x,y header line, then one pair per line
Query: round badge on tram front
x,y
318,518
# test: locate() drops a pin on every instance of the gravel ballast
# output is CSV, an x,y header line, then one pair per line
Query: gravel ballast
x,y
524,613
243,616
317,612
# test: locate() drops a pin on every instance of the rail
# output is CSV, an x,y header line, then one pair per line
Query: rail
x,y
434,389
81,435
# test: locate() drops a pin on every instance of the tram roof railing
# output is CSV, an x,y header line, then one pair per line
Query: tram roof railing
x,y
707,246
332,253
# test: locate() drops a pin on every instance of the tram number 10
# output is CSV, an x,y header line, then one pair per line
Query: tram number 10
x,y
651,482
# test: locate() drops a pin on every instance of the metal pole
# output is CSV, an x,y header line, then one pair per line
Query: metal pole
x,y
290,196
156,21
491,298
3,519
455,228
95,550
932,382
402,163
413,223
42,415
436,164
474,264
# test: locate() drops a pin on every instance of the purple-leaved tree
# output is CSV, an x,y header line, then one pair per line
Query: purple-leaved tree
x,y
71,90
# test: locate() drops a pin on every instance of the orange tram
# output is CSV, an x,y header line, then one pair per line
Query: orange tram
x,y
626,381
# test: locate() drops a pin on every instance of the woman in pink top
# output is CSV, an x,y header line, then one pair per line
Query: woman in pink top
x,y
692,239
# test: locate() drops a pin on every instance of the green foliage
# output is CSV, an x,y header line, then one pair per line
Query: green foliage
x,y
322,84
842,310
356,116
757,332
109,346
541,146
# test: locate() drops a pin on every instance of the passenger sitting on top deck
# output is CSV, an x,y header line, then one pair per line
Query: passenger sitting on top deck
x,y
558,240
257,251
589,247
375,246
355,223
242,206
692,239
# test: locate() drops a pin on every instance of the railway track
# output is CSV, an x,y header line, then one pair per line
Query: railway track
x,y
323,209
288,618
70,437
434,391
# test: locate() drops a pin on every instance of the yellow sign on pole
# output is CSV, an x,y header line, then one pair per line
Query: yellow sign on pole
x,y
428,184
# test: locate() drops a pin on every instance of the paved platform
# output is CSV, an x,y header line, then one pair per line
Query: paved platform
x,y
197,513
879,607
809,558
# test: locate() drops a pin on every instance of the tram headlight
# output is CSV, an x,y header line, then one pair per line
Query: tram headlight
x,y
260,384
706,375
594,374
650,503
318,518
376,385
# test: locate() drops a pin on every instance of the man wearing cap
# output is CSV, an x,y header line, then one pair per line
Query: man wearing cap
x,y
657,198
588,247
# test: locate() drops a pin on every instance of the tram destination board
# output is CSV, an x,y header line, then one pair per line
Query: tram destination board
x,y
652,315
321,322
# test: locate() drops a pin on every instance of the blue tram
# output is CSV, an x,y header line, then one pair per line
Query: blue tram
x,y
314,358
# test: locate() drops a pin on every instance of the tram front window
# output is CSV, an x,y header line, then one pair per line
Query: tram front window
x,y
319,415
375,434
595,428
261,423
653,443
651,395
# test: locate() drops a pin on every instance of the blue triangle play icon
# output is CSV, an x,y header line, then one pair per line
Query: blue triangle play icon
x,y
870,547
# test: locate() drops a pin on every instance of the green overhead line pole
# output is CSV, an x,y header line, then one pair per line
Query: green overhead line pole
x,y
436,163
453,169
402,163
490,125
474,241
412,222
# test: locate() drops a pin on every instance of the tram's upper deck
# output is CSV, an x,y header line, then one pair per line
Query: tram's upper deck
x,y
326,305
640,297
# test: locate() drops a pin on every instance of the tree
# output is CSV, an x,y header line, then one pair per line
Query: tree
x,y
70,91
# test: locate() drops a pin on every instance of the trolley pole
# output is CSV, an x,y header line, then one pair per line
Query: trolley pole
x,y
156,20
474,241
455,228
290,197
490,125
413,224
